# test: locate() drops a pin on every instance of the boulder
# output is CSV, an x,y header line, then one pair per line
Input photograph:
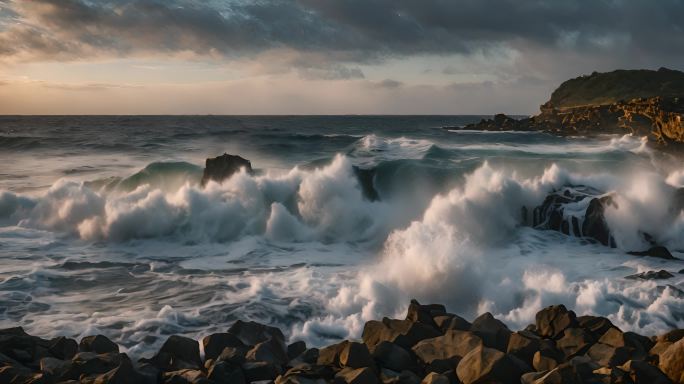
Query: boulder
x,y
183,376
356,376
234,355
295,349
123,374
260,370
494,333
547,357
595,325
178,353
224,166
575,342
215,343
671,362
672,336
484,365
447,349
388,376
552,321
637,345
392,356
98,344
424,313
310,356
559,375
330,355
224,372
313,374
57,370
273,351
451,322
523,345
252,333
90,363
64,348
435,378
355,355
608,356
643,372
657,251
404,333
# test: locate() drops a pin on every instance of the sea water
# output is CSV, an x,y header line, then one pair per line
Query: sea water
x,y
104,227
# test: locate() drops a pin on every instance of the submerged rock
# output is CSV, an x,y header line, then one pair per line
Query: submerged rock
x,y
657,251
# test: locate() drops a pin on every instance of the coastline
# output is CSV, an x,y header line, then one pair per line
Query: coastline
x,y
429,346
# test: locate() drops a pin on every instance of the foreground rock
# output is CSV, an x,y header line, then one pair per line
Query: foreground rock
x,y
429,346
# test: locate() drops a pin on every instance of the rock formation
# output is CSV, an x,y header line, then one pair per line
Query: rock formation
x,y
642,102
424,348
224,166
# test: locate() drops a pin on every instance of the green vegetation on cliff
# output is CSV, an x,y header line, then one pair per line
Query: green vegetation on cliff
x,y
616,86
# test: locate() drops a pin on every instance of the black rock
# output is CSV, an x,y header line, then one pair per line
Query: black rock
x,y
657,251
215,343
651,275
224,166
98,344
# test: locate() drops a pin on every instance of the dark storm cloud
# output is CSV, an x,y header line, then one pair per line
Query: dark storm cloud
x,y
344,31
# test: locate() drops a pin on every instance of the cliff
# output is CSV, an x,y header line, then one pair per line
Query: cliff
x,y
642,102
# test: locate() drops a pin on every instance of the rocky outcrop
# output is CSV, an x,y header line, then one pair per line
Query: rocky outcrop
x,y
643,102
559,348
224,166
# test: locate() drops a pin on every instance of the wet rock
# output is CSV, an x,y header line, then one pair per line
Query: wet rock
x,y
552,321
392,356
98,344
13,374
224,372
388,376
309,374
295,349
215,343
260,370
253,333
559,375
657,251
355,355
672,336
356,376
63,348
494,333
583,366
424,313
547,358
404,333
651,275
484,365
452,322
56,370
234,355
310,356
447,349
435,378
575,342
637,345
178,353
643,372
330,355
595,325
272,351
90,363
224,166
123,374
609,356
183,376
671,362
523,344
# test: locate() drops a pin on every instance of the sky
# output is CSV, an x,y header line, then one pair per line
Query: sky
x,y
319,56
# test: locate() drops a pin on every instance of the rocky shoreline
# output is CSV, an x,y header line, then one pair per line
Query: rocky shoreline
x,y
429,346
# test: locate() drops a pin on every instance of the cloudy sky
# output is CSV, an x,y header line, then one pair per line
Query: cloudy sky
x,y
319,56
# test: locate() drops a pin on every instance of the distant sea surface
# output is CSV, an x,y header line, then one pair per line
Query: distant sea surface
x,y
104,227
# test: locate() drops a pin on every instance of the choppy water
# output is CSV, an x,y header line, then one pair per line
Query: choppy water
x,y
104,228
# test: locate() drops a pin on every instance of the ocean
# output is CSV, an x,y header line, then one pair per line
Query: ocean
x,y
104,227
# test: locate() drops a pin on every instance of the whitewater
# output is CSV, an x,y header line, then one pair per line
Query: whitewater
x,y
104,227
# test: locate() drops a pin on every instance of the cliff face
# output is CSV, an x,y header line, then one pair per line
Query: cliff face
x,y
646,103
